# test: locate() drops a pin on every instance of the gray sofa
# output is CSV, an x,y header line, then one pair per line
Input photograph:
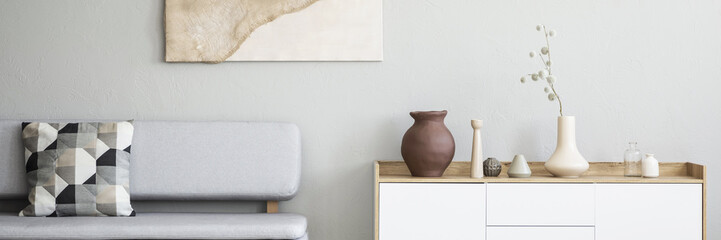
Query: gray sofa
x,y
254,161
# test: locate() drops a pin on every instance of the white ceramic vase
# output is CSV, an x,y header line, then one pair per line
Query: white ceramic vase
x,y
566,161
649,166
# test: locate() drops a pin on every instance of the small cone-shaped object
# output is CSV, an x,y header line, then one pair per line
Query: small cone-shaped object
x,y
519,167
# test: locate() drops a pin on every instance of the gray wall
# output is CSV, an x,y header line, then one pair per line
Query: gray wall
x,y
643,70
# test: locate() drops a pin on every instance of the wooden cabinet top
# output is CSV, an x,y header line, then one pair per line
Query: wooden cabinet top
x,y
598,172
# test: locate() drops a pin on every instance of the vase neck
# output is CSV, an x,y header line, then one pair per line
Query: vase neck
x,y
566,131
632,146
431,116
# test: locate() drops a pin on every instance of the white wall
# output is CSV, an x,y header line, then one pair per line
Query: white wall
x,y
645,70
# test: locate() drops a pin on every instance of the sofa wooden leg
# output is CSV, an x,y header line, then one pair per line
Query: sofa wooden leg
x,y
271,207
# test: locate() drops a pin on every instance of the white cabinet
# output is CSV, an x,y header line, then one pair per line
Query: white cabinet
x,y
601,205
649,211
419,211
540,233
557,211
541,204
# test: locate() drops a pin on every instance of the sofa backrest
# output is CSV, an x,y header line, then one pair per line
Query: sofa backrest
x,y
189,161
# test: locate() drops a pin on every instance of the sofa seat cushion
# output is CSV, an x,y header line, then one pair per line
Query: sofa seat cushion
x,y
157,226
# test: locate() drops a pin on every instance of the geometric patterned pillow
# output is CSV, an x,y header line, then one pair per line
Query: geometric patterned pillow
x,y
78,169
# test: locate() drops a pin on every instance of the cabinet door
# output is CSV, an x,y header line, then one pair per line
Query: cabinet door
x,y
540,204
649,211
540,233
432,211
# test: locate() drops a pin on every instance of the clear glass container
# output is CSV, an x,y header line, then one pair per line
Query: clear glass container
x,y
632,161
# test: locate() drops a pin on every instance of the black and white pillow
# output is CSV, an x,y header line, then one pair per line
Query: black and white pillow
x,y
78,169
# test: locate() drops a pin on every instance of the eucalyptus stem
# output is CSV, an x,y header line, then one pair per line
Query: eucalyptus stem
x,y
548,66
546,73
560,106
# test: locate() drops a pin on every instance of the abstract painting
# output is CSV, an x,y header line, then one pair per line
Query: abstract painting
x,y
273,30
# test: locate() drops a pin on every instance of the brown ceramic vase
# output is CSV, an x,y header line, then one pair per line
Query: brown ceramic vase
x,y
428,146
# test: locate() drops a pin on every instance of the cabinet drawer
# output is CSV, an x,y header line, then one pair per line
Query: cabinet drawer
x,y
649,211
540,233
430,211
541,204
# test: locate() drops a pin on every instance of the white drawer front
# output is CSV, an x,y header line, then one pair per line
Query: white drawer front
x,y
541,204
432,211
540,233
649,211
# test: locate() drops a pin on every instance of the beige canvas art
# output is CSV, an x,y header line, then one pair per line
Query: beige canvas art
x,y
273,30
